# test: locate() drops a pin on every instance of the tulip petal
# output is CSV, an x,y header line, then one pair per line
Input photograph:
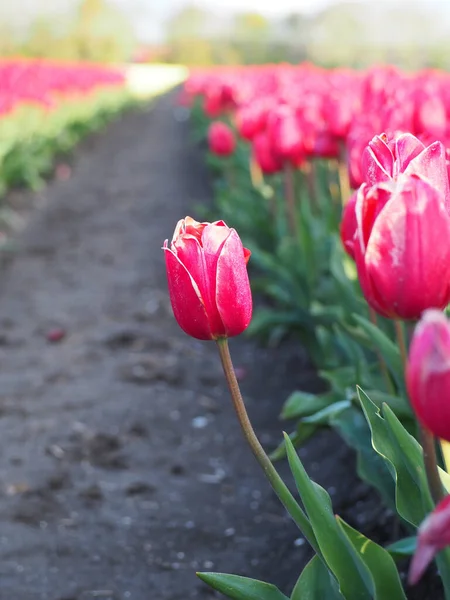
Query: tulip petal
x,y
407,268
233,294
431,165
406,147
187,304
377,161
422,558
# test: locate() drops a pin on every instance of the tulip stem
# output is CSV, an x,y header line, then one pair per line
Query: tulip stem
x,y
382,362
344,183
429,457
445,451
278,485
401,341
426,437
289,192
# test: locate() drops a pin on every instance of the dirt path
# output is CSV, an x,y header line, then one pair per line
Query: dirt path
x,y
123,470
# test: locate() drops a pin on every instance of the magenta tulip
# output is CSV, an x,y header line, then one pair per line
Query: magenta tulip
x,y
208,281
221,139
433,536
428,373
385,159
401,267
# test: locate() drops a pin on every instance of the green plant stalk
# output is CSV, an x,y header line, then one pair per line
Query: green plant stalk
x,y
426,437
289,192
381,361
278,485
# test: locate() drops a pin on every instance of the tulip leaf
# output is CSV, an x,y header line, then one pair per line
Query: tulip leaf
x,y
381,342
241,588
371,467
302,434
342,559
316,583
403,456
303,404
399,404
403,548
386,580
322,417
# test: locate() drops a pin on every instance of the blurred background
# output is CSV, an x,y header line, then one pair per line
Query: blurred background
x,y
328,32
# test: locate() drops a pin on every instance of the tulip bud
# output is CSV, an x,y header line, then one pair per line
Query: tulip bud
x,y
208,282
401,268
221,139
433,536
428,373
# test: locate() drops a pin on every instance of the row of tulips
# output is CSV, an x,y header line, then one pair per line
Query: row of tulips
x,y
45,108
337,182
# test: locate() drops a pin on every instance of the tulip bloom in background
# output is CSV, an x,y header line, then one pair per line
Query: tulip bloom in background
x,y
433,536
221,139
208,281
428,373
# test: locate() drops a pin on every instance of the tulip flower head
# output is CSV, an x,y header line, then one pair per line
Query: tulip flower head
x,y
385,159
221,139
428,373
401,268
433,536
208,282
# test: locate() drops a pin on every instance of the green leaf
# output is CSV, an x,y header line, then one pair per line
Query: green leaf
x,y
241,588
342,559
399,404
371,467
403,456
323,416
403,548
386,580
303,404
300,436
316,583
381,342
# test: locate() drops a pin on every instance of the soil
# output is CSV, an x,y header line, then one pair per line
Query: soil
x,y
123,469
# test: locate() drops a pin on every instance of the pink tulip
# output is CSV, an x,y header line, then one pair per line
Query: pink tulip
x,y
264,154
385,159
221,139
208,281
433,536
401,268
428,373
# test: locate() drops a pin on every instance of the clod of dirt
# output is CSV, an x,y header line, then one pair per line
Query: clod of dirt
x,y
92,492
138,488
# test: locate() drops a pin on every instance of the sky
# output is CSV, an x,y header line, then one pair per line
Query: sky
x,y
148,16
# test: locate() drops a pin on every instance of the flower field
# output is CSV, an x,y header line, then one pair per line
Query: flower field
x,y
47,107
337,182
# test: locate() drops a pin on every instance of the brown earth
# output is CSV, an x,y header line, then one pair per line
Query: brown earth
x,y
123,469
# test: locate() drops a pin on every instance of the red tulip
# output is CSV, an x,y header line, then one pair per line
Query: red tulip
x,y
428,373
208,281
264,154
385,159
433,536
401,268
283,128
348,225
221,139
